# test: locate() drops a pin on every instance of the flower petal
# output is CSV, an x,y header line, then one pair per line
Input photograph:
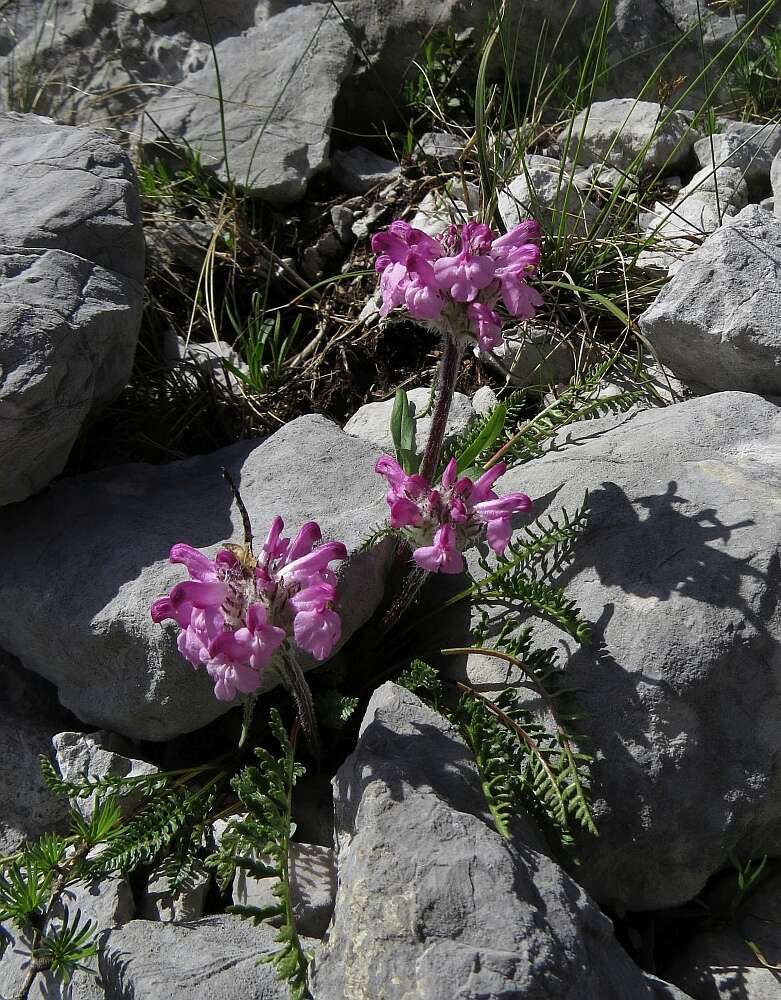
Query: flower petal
x,y
482,488
201,594
198,565
308,536
317,632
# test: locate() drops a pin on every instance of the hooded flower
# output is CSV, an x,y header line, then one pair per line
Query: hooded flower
x,y
455,282
234,614
407,277
441,522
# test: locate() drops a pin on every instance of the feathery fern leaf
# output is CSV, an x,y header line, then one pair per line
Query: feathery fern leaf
x,y
266,793
142,837
578,402
86,786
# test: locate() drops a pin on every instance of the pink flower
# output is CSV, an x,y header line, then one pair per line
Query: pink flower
x,y
452,516
470,271
404,261
486,324
234,616
317,627
497,515
521,299
231,678
453,283
255,644
483,487
395,245
309,567
196,637
421,291
517,256
442,556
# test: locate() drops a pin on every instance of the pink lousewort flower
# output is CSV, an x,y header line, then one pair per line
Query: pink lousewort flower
x,y
444,520
236,613
455,282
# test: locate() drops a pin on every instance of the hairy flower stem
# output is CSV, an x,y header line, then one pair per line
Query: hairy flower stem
x,y
409,590
452,351
293,678
246,722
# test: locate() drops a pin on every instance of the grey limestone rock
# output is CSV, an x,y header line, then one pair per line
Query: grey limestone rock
x,y
29,717
102,62
216,359
108,903
440,208
433,902
544,192
312,887
162,902
71,273
699,209
444,147
216,958
94,582
358,170
14,965
719,964
619,131
279,82
533,356
98,755
718,322
775,181
679,573
484,400
749,148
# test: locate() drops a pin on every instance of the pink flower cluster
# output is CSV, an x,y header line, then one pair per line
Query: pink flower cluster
x,y
443,521
454,282
235,613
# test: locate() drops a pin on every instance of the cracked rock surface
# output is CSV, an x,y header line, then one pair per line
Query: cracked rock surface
x,y
71,274
279,82
217,958
433,902
29,717
717,324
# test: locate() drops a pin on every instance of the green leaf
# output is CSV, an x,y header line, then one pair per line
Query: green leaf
x,y
402,428
489,432
334,708
591,294
266,792
102,825
255,913
70,946
421,678
24,891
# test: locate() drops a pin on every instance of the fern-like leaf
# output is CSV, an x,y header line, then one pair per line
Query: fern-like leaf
x,y
87,785
578,402
266,793
144,836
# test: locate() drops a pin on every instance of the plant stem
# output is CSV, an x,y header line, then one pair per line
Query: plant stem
x,y
293,678
413,580
38,963
246,723
409,590
448,374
